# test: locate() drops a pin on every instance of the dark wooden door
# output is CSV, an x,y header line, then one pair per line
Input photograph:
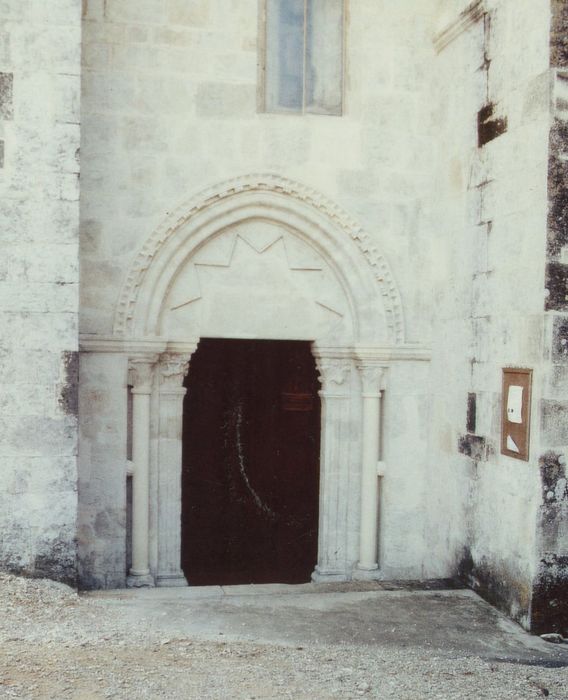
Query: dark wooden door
x,y
250,479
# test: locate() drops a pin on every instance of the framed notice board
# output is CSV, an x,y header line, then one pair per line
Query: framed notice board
x,y
516,413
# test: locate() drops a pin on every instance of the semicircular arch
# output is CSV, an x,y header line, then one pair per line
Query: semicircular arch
x,y
216,217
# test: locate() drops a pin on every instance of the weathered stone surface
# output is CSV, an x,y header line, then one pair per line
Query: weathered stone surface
x,y
499,582
475,236
554,425
559,33
473,446
557,286
558,189
550,597
171,106
39,217
6,96
549,612
560,340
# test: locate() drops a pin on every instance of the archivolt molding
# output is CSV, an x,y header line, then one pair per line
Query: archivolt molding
x,y
268,183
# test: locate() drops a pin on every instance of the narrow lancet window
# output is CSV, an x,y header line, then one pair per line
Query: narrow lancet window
x,y
304,56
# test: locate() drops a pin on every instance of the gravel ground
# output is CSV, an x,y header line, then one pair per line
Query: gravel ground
x,y
56,644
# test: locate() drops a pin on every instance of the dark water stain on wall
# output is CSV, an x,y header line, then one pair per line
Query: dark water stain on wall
x,y
557,188
560,340
496,583
471,415
69,394
549,612
559,33
54,557
489,126
6,96
549,609
474,446
57,559
557,236
556,286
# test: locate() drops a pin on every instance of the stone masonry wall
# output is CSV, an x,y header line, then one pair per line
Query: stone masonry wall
x,y
550,600
39,214
455,202
490,200
170,107
445,155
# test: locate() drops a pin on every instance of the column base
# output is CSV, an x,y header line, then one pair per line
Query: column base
x,y
321,575
363,574
140,581
177,580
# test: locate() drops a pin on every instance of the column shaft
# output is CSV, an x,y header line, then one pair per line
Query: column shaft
x,y
368,557
372,376
141,378
140,572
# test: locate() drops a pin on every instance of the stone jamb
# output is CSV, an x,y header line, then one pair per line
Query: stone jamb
x,y
335,367
141,374
172,369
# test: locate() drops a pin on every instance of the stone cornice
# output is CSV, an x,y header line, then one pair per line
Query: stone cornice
x,y
472,13
144,346
395,353
135,346
384,354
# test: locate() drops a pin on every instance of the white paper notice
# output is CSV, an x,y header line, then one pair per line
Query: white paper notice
x,y
515,404
511,445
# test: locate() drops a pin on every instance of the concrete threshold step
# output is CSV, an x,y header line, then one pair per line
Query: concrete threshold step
x,y
280,589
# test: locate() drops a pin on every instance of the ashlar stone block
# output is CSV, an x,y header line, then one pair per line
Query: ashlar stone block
x,y
139,11
225,101
194,13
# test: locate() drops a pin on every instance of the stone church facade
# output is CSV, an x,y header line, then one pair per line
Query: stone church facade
x,y
384,182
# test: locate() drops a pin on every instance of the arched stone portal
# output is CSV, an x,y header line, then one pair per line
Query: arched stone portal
x,y
334,237
260,258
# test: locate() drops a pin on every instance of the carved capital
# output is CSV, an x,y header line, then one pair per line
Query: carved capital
x,y
334,374
141,374
372,378
173,369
